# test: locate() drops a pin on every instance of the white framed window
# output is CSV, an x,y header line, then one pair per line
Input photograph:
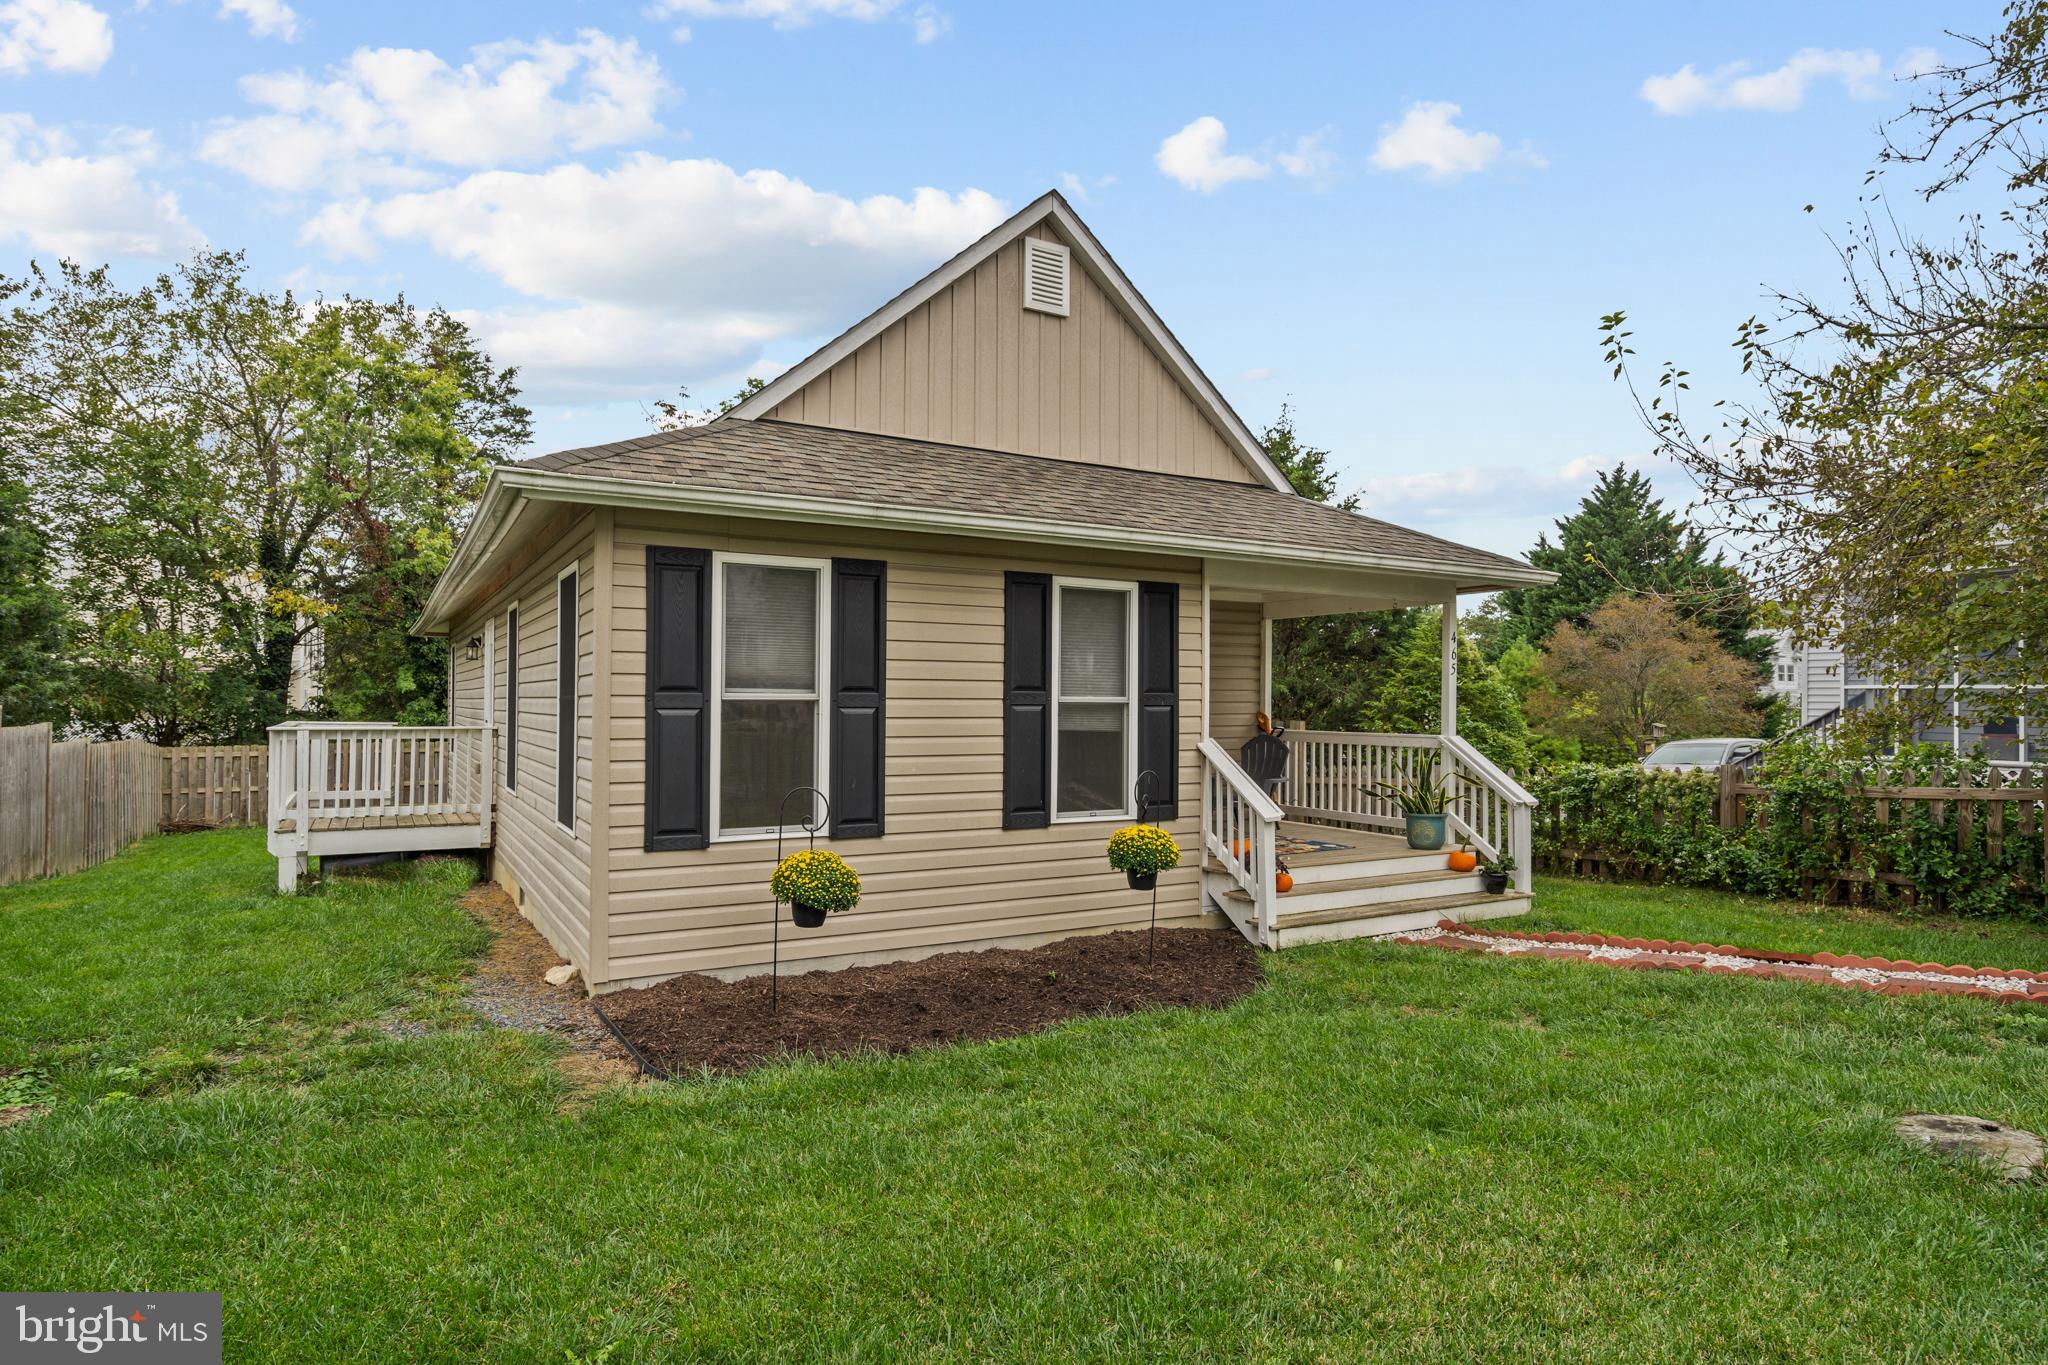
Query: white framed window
x,y
769,644
1094,698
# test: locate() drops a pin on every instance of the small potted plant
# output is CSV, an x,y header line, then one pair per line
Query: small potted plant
x,y
1424,800
1141,853
815,883
1494,872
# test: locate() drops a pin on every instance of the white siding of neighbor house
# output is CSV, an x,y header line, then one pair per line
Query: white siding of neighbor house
x,y
945,874
973,366
546,869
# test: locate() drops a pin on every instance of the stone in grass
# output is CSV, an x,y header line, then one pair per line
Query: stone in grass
x,y
2011,1152
560,976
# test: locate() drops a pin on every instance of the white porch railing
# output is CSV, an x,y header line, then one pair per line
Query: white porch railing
x,y
1240,831
1489,807
1333,775
390,773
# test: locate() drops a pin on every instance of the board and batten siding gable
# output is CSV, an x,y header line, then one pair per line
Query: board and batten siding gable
x,y
944,874
546,869
972,366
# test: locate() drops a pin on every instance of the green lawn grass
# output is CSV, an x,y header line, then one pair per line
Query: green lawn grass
x,y
1388,1152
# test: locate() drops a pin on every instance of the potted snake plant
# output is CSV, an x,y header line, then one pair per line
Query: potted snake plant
x,y
1424,800
1494,873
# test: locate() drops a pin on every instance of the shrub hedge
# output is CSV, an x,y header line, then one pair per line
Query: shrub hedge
x,y
1811,826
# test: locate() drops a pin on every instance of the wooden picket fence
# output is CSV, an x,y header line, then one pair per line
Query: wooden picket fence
x,y
219,784
2010,807
2010,803
66,805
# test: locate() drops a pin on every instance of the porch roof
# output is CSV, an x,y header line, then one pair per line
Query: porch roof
x,y
790,470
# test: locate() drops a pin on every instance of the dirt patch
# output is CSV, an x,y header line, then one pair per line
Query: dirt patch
x,y
20,1113
696,1023
507,988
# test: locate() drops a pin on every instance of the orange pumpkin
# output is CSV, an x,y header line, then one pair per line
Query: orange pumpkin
x,y
1241,849
1283,882
1464,860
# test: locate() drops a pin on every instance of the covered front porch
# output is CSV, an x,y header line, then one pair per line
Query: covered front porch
x,y
1328,819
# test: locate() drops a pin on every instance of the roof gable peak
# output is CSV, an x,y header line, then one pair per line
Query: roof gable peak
x,y
1050,207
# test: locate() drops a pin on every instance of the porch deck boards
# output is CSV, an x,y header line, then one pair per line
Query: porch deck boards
x,y
1359,845
355,823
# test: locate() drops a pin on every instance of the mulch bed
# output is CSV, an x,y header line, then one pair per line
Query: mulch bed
x,y
693,1024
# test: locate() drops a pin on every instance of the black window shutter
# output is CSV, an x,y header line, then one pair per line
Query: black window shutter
x,y
859,661
1159,697
1027,700
678,699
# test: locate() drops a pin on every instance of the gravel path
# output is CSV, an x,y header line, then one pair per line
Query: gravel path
x,y
1874,974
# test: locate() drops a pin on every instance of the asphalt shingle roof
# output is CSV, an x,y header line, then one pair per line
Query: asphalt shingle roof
x,y
800,460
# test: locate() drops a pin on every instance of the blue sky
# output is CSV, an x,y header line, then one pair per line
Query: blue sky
x,y
1405,220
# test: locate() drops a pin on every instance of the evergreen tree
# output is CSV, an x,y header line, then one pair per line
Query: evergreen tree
x,y
34,679
1622,540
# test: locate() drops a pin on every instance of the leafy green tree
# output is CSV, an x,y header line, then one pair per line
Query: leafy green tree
x,y
231,469
1890,462
1410,695
34,622
1622,540
1637,669
1307,467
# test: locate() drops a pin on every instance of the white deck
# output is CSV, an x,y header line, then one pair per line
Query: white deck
x,y
341,789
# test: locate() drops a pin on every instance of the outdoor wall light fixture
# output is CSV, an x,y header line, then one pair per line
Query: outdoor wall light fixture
x,y
474,650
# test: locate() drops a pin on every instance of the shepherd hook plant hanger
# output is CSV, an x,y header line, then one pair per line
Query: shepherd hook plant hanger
x,y
821,811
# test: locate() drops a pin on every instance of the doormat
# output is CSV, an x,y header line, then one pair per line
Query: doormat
x,y
1882,975
1295,848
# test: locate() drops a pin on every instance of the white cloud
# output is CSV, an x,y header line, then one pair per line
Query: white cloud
x,y
1429,139
1778,91
85,205
54,35
1197,158
675,266
1439,493
377,119
1258,374
927,23
1311,157
266,18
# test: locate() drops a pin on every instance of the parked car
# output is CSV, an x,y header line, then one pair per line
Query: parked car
x,y
1699,755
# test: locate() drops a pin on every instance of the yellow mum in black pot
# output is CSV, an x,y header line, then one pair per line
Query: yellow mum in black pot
x,y
1141,853
815,883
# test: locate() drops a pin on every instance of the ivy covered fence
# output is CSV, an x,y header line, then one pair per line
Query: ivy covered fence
x,y
1811,821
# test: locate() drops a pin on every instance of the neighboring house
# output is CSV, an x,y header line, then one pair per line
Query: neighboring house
x,y
974,570
1825,686
309,661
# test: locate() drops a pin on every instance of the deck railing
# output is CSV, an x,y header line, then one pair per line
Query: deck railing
x,y
1240,832
323,771
1339,777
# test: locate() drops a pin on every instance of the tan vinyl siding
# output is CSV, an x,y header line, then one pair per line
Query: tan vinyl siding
x,y
945,873
466,680
972,366
1235,634
546,868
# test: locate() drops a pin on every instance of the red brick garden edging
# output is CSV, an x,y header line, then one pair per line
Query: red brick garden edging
x,y
1882,975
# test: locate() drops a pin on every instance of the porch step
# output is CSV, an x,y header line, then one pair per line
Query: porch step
x,y
1368,906
1377,888
1435,907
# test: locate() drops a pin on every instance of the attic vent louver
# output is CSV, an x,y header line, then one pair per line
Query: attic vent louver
x,y
1046,272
